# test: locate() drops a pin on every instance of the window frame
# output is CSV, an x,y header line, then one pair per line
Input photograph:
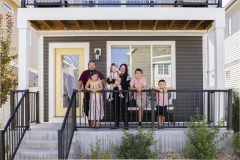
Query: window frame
x,y
8,7
151,43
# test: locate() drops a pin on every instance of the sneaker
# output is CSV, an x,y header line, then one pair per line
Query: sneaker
x,y
121,96
160,128
110,99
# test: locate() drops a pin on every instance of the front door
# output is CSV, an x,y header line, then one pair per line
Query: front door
x,y
69,64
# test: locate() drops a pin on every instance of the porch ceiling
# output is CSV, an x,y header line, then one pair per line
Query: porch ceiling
x,y
59,25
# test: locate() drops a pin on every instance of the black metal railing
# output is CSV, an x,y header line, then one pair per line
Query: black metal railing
x,y
17,125
181,105
119,3
34,106
65,134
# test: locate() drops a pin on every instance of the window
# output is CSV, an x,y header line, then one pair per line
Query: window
x,y
227,74
7,8
154,60
120,54
230,26
163,69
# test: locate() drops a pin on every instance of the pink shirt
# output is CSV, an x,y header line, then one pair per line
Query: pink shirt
x,y
162,99
139,84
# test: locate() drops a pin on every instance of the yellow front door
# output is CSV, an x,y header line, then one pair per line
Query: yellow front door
x,y
69,65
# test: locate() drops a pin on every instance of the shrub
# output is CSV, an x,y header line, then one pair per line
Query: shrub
x,y
8,79
236,143
202,141
235,111
136,146
96,154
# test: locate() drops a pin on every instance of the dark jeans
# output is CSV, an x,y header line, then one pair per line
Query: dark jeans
x,y
120,108
86,107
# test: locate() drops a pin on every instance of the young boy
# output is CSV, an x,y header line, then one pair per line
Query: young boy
x,y
161,102
139,83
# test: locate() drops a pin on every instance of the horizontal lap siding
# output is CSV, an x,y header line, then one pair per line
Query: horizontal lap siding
x,y
189,65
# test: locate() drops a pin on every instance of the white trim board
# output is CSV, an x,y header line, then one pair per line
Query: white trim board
x,y
121,13
173,54
122,33
51,78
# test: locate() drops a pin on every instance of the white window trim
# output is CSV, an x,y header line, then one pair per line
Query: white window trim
x,y
170,43
51,78
226,74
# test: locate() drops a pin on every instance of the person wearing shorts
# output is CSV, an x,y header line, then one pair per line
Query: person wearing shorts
x,y
139,83
162,102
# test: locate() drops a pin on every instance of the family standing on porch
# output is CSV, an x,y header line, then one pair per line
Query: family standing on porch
x,y
93,81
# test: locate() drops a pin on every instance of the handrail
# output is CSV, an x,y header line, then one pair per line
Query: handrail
x,y
181,105
17,125
91,3
64,148
14,112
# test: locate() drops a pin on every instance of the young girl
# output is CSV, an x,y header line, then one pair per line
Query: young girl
x,y
96,111
114,74
162,102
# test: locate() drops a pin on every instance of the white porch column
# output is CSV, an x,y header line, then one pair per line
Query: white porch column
x,y
23,53
219,72
219,58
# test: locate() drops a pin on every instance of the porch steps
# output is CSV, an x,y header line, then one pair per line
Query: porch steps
x,y
40,144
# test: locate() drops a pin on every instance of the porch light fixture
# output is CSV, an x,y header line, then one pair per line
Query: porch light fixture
x,y
97,52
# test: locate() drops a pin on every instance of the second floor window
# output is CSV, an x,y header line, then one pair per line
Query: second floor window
x,y
7,8
230,26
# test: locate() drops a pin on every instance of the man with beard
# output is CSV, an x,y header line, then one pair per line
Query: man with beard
x,y
85,76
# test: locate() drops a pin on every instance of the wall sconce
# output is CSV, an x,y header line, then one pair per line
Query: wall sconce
x,y
97,52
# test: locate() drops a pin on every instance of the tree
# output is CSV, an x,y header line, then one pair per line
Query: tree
x,y
8,79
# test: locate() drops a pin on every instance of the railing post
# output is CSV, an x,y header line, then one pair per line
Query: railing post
x,y
151,3
74,110
219,3
60,153
27,113
2,145
12,107
229,124
37,107
152,107
90,3
23,4
35,4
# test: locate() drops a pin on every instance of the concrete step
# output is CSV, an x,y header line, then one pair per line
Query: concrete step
x,y
44,135
39,144
30,154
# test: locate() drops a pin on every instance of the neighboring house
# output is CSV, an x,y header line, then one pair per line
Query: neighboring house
x,y
231,48
11,6
232,45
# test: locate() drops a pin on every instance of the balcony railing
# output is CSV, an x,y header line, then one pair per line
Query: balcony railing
x,y
120,3
181,105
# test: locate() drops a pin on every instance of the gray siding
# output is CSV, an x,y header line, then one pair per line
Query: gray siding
x,y
189,64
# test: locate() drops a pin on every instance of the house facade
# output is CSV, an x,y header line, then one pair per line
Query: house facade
x,y
169,42
163,38
11,7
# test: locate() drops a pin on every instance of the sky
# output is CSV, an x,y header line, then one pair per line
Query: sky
x,y
224,2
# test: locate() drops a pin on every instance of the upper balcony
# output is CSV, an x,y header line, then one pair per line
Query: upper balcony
x,y
120,3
